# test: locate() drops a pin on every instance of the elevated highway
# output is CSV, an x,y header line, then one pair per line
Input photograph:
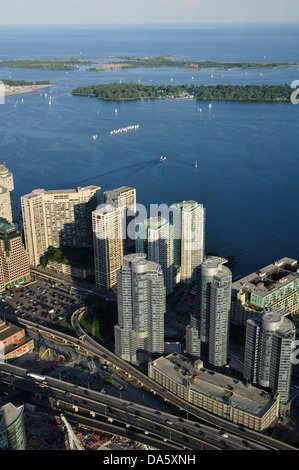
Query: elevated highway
x,y
91,347
163,427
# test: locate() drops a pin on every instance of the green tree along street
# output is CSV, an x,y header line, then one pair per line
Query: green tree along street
x,y
53,254
80,257
108,378
64,326
99,321
134,91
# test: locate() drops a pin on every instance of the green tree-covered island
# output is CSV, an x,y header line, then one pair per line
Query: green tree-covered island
x,y
73,63
168,61
24,82
45,64
135,91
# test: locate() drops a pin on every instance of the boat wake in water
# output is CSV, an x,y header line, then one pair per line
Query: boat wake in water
x,y
137,166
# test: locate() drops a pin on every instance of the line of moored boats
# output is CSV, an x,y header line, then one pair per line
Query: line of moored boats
x,y
125,129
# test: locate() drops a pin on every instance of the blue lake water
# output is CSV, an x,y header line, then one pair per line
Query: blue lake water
x,y
247,153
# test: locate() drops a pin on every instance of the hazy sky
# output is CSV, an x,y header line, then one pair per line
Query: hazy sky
x,y
148,11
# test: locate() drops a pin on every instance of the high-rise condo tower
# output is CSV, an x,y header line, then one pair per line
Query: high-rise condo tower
x,y
208,331
139,334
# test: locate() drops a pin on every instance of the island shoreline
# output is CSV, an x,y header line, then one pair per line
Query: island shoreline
x,y
20,90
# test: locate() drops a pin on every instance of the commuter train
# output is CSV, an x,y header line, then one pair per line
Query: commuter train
x,y
36,376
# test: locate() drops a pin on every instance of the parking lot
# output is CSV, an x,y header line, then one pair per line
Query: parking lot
x,y
43,301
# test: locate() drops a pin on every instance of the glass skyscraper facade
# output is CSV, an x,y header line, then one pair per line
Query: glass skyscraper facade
x,y
155,238
188,220
268,351
207,333
12,428
141,294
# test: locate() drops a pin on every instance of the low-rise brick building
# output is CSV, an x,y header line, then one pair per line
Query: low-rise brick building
x,y
13,342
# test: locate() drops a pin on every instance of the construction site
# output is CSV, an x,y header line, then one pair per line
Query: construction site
x,y
50,432
46,430
56,357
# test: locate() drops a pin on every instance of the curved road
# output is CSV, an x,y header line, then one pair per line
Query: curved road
x,y
90,346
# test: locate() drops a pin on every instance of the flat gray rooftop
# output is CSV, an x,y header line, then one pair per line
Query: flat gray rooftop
x,y
216,386
118,191
270,278
38,192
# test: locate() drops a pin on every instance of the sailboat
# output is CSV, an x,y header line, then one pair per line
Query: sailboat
x,y
195,164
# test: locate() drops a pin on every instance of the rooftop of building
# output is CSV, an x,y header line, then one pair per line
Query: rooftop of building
x,y
9,413
213,267
141,264
118,191
270,278
6,228
188,205
38,192
136,258
112,196
3,169
8,330
8,232
274,319
273,315
108,208
219,387
214,261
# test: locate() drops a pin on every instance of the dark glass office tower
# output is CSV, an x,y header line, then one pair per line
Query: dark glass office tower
x,y
12,428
